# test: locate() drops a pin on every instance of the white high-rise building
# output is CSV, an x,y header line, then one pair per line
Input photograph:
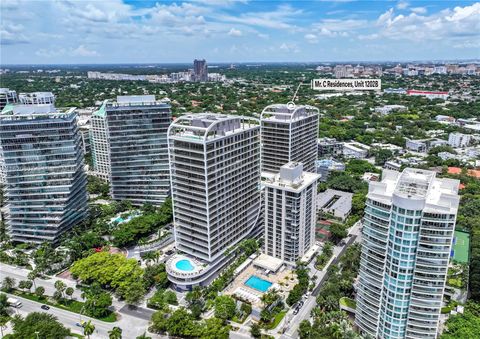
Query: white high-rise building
x,y
215,180
290,212
129,147
289,134
459,140
45,182
408,230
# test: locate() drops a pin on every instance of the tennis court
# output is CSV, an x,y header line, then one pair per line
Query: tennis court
x,y
461,245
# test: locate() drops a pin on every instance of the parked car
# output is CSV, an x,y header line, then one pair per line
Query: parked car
x,y
45,307
295,312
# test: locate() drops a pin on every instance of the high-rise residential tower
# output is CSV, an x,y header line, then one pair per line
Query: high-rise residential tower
x,y
129,147
290,212
289,134
215,175
200,70
45,182
408,229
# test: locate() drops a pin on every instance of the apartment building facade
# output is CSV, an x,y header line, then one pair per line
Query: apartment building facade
x,y
215,180
45,182
129,147
289,133
408,230
290,212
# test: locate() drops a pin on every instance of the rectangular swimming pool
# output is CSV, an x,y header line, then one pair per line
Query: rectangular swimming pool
x,y
258,284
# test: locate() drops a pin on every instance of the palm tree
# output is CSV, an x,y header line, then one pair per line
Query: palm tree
x,y
149,257
8,284
69,291
88,328
115,333
157,255
60,286
32,275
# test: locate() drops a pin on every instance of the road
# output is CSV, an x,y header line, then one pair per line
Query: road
x,y
291,321
21,274
134,321
131,329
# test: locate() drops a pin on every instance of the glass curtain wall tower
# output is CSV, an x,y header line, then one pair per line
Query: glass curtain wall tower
x,y
129,146
45,182
408,230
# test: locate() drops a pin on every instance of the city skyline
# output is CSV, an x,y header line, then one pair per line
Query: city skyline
x,y
234,31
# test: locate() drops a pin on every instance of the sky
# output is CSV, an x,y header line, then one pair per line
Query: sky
x,y
126,31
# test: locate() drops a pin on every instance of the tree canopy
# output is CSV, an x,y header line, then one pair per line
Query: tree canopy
x,y
112,271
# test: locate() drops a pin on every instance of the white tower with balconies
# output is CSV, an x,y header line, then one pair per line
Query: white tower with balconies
x,y
290,212
215,182
289,133
408,230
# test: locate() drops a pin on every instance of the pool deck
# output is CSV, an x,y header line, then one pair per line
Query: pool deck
x,y
282,278
461,247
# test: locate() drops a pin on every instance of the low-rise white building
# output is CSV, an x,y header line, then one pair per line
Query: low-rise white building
x,y
355,150
387,109
459,140
336,202
416,145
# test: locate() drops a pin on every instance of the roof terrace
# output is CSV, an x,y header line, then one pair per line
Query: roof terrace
x,y
287,113
209,126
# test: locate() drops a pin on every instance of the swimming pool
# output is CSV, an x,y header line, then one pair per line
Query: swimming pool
x,y
258,284
184,265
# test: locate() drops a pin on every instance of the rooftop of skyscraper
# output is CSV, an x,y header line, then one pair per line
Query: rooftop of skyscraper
x,y
291,177
12,111
418,184
287,113
123,101
209,126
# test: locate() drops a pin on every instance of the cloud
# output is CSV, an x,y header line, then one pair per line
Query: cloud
x,y
235,32
402,5
71,30
447,24
80,51
311,38
289,47
419,10
83,51
280,18
12,34
50,53
338,27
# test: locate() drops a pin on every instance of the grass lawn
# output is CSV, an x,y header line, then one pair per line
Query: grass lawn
x,y
348,302
239,320
71,305
461,247
276,320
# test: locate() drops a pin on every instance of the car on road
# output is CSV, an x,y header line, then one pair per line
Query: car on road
x,y
45,307
295,311
342,243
